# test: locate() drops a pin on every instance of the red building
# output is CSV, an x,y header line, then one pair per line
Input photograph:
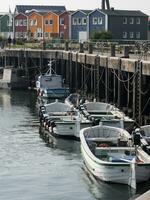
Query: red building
x,y
20,26
64,25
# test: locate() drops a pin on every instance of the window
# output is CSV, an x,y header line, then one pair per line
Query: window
x,y
79,21
125,20
138,20
24,22
131,20
84,21
33,22
124,35
138,35
100,20
46,21
51,22
61,35
61,21
94,20
20,22
16,22
39,35
74,21
131,35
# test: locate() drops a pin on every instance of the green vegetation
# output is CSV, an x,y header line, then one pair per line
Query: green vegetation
x,y
102,35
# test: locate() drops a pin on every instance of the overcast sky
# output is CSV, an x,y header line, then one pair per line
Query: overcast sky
x,y
143,5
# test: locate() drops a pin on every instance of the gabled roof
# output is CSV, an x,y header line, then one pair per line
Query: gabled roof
x,y
86,12
39,8
134,13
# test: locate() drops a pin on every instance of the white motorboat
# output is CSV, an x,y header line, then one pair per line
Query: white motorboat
x,y
50,84
62,120
109,156
105,113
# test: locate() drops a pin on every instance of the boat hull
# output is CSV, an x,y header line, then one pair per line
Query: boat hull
x,y
116,173
68,129
53,93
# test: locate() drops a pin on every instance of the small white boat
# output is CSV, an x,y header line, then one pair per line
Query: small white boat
x,y
109,156
50,85
105,113
62,120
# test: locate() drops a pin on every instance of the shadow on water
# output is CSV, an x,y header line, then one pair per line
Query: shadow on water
x,y
67,145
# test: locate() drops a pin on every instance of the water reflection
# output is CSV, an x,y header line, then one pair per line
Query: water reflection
x,y
31,169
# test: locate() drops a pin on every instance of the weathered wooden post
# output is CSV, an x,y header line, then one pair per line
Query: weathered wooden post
x,y
81,48
126,51
113,50
66,45
90,48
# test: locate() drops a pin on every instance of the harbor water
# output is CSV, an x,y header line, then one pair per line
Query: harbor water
x,y
30,169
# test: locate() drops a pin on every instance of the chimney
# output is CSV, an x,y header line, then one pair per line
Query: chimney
x,y
103,5
107,5
105,2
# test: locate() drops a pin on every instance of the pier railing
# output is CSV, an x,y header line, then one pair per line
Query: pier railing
x,y
125,49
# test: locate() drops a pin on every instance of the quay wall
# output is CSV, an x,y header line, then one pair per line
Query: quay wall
x,y
122,81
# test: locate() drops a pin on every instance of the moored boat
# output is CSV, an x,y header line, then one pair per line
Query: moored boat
x,y
105,112
62,120
109,155
51,85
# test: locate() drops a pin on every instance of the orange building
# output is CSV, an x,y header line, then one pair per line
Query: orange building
x,y
50,25
35,25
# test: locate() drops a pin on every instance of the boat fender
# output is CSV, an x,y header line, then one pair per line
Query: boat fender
x,y
52,125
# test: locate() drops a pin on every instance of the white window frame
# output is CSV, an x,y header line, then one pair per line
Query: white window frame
x,y
84,21
16,22
125,20
131,34
51,22
46,22
95,20
99,20
124,35
138,35
131,20
62,21
24,22
74,21
20,22
79,21
62,34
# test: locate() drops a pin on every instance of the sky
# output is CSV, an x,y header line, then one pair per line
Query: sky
x,y
143,5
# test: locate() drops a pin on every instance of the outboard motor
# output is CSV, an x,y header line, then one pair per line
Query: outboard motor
x,y
137,137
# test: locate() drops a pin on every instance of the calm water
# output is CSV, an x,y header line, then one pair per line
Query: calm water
x,y
32,170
